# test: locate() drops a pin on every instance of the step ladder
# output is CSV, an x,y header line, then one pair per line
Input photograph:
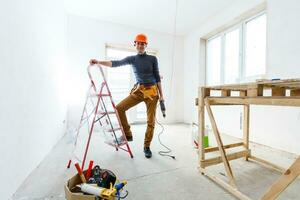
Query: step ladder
x,y
103,113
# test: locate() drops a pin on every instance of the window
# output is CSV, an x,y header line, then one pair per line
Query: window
x,y
214,61
237,54
121,80
255,58
232,56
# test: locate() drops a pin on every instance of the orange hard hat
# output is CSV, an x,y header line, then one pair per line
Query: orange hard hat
x,y
141,38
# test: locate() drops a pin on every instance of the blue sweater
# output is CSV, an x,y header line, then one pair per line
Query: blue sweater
x,y
144,66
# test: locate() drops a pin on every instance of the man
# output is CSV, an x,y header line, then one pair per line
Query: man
x,y
146,72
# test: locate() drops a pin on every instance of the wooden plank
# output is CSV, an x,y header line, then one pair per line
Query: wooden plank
x,y
287,83
275,101
284,181
237,87
225,93
267,164
201,123
243,93
227,146
295,92
202,93
220,144
277,91
206,92
255,92
225,185
252,93
246,127
232,156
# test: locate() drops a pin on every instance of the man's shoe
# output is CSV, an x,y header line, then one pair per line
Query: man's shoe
x,y
147,151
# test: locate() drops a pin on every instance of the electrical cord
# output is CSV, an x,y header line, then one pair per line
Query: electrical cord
x,y
168,151
124,196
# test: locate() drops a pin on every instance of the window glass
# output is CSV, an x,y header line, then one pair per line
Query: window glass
x,y
232,58
255,49
214,61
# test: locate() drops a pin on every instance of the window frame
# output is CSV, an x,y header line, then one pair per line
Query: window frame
x,y
242,26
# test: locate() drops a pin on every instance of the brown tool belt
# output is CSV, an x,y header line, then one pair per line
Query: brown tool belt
x,y
148,90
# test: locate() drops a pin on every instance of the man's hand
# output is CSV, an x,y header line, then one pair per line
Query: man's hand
x,y
105,63
161,98
93,61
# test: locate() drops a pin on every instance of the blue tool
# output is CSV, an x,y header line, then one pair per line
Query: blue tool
x,y
118,188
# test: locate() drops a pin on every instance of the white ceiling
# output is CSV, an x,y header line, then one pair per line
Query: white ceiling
x,y
157,15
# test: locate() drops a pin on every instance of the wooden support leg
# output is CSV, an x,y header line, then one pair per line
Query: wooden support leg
x,y
220,144
246,127
202,93
284,181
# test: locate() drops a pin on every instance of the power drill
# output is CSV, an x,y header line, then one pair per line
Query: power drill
x,y
162,107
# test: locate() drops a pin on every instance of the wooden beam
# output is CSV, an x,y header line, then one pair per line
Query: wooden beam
x,y
220,144
246,127
206,92
287,83
243,93
277,91
284,181
295,92
196,101
202,93
274,101
254,92
227,146
232,156
223,184
267,164
225,93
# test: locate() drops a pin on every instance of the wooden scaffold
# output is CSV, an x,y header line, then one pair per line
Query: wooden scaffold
x,y
282,93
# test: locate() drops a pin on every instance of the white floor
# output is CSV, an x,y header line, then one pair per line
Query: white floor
x,y
160,177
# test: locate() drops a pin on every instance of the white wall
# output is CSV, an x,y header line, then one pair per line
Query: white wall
x,y
283,53
272,126
283,39
32,53
87,38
